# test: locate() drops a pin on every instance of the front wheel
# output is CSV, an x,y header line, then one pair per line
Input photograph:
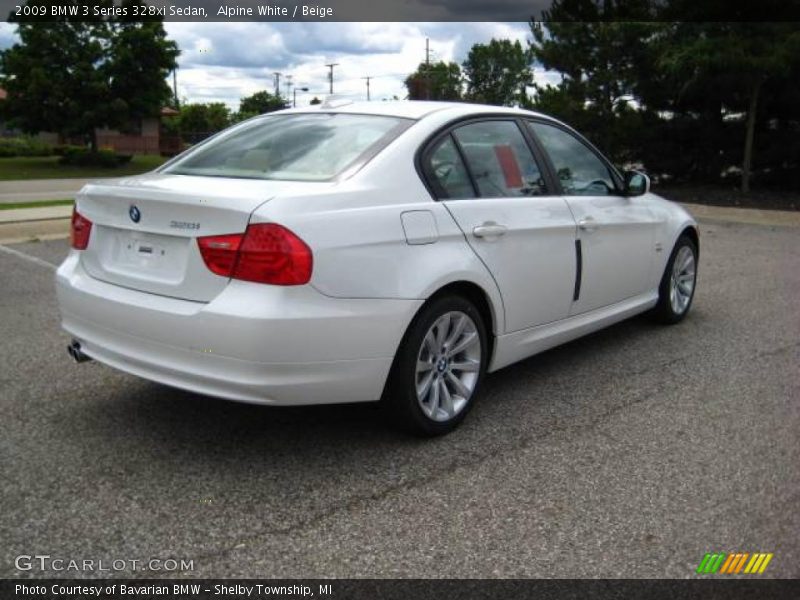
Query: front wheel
x,y
676,292
438,368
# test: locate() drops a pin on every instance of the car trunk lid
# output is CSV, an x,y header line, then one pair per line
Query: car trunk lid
x,y
145,229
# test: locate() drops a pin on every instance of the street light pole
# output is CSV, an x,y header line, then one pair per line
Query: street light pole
x,y
294,96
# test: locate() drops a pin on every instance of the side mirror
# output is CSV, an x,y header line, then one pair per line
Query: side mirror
x,y
636,183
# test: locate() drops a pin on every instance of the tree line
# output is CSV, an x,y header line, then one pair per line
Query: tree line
x,y
701,99
200,118
674,86
76,74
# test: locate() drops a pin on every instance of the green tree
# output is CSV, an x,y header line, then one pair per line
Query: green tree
x,y
73,75
204,118
735,61
140,59
601,59
435,81
260,103
498,73
676,84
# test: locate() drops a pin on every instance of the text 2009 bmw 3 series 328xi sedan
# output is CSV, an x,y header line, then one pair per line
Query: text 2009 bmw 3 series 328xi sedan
x,y
360,252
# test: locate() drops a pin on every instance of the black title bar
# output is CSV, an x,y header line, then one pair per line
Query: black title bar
x,y
221,11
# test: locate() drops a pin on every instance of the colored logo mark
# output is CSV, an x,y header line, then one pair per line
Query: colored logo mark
x,y
734,563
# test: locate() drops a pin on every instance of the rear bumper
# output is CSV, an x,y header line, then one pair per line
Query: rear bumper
x,y
253,343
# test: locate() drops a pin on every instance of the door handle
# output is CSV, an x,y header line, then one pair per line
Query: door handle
x,y
587,224
489,229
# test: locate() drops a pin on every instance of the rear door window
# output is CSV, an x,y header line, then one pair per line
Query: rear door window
x,y
448,173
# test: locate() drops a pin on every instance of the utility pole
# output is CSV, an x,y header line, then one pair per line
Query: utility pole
x,y
175,86
367,78
427,69
330,75
288,85
277,77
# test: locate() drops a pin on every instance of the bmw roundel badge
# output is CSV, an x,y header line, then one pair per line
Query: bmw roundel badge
x,y
135,214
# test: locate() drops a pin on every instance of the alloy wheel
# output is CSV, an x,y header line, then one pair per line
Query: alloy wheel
x,y
682,280
448,366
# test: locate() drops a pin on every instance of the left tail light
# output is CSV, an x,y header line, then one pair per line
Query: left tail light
x,y
264,253
80,230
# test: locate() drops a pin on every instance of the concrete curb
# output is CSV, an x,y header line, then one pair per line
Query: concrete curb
x,y
751,216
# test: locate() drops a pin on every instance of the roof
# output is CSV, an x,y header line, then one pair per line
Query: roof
x,y
409,109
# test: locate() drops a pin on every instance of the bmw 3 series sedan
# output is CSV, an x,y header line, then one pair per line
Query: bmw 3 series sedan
x,y
361,252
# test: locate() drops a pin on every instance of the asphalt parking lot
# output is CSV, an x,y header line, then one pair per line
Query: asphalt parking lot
x,y
630,453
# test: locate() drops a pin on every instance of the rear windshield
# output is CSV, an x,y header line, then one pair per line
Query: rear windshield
x,y
299,147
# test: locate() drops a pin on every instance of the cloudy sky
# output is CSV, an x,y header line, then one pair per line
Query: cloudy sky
x,y
221,62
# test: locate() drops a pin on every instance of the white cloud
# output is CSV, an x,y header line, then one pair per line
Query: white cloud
x,y
224,61
221,62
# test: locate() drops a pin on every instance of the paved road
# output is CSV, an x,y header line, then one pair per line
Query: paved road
x,y
40,189
629,453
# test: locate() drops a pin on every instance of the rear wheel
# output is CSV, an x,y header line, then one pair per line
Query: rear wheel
x,y
438,368
676,292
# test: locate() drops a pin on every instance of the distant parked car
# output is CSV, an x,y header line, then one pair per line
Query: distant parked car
x,y
358,252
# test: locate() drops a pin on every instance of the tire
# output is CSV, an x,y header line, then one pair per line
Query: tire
x,y
431,398
674,299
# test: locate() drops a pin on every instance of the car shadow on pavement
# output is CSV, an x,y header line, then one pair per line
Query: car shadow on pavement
x,y
173,418
277,469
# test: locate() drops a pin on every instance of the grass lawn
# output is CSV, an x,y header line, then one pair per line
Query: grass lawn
x,y
34,204
47,167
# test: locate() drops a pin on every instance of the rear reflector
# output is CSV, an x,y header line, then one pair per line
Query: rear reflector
x,y
265,253
80,230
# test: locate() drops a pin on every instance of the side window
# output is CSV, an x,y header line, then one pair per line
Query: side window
x,y
579,169
448,172
500,160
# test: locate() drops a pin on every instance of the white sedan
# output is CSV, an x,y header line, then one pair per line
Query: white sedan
x,y
375,251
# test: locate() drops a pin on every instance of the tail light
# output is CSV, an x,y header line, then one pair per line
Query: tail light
x,y
264,253
79,230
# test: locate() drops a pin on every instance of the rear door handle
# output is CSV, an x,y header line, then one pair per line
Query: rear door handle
x,y
587,224
489,229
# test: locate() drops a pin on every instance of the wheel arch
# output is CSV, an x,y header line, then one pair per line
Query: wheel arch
x,y
478,296
691,232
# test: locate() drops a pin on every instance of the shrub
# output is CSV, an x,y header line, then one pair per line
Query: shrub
x,y
83,157
24,146
61,149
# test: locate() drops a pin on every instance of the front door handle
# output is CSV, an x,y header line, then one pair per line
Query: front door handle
x,y
490,229
587,224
